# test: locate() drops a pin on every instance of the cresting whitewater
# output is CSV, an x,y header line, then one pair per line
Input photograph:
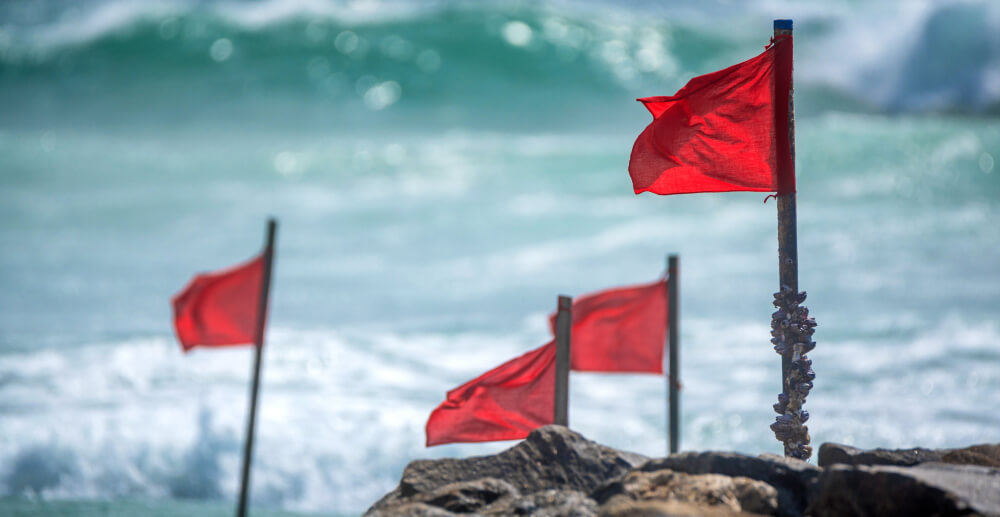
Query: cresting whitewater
x,y
442,172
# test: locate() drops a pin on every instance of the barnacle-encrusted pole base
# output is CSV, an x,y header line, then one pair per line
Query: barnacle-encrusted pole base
x,y
791,334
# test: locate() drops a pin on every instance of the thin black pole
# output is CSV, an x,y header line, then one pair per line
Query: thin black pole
x,y
564,323
265,287
673,350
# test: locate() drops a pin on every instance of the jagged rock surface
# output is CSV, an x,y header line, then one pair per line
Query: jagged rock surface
x,y
735,494
551,457
548,503
467,496
558,473
666,509
985,455
837,454
792,478
927,489
409,510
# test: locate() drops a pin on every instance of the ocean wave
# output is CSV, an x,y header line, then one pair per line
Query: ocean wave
x,y
463,54
462,59
343,411
933,56
138,418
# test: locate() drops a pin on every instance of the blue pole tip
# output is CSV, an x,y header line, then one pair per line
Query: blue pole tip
x,y
783,24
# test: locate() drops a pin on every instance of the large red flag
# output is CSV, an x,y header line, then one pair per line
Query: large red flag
x,y
220,308
620,330
505,403
724,131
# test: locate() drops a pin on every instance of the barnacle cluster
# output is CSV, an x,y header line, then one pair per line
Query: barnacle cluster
x,y
791,335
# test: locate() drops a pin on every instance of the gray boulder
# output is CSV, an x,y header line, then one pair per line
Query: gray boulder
x,y
459,497
837,454
548,503
985,455
551,457
927,489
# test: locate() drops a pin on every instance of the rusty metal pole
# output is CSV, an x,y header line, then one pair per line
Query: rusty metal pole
x,y
564,322
791,326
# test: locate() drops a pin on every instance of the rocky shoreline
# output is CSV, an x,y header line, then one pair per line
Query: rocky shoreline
x,y
556,472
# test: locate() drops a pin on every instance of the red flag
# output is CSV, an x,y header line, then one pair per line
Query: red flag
x,y
220,308
724,131
620,330
505,403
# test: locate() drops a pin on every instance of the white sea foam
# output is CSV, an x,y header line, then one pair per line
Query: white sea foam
x,y
342,412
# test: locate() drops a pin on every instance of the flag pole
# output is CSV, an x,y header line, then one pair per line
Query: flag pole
x,y
241,509
791,327
788,267
673,353
564,321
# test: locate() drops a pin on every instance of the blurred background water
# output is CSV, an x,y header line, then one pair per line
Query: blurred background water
x,y
441,171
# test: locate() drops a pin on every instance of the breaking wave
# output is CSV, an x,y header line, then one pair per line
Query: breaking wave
x,y
464,64
322,399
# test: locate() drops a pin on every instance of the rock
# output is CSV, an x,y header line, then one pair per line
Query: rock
x,y
548,503
793,479
460,497
551,457
409,510
468,496
557,473
665,509
735,494
927,489
835,453
986,455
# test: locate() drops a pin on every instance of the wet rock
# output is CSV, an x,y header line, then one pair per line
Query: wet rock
x,y
735,494
836,454
927,489
793,479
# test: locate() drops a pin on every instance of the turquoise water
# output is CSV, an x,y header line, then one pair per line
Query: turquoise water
x,y
23,507
440,174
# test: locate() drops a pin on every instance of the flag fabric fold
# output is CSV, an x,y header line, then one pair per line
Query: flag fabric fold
x,y
220,308
620,330
723,131
505,403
